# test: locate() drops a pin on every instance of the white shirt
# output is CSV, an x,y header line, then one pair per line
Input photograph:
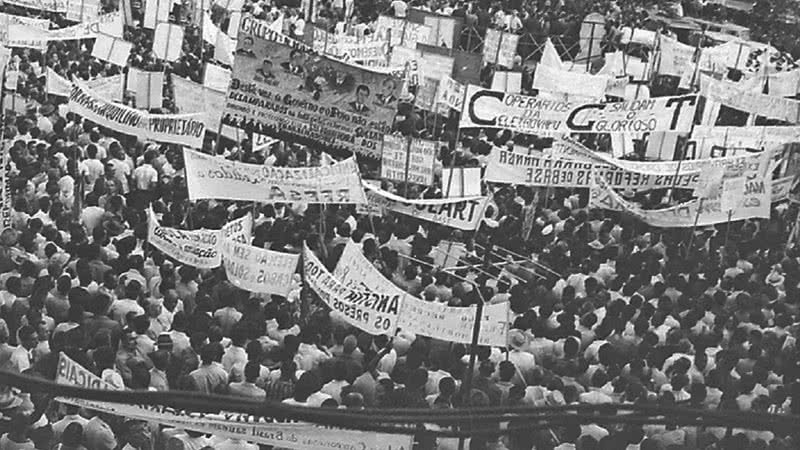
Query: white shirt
x,y
144,176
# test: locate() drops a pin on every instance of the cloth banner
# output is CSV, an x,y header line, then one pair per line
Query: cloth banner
x,y
111,49
168,41
375,313
618,64
550,57
533,115
783,84
430,65
217,178
217,78
23,36
257,429
676,57
83,10
55,84
746,137
155,12
507,81
554,80
402,32
465,213
443,31
191,97
258,270
404,159
500,48
637,36
149,90
182,129
198,248
7,20
57,6
730,94
6,198
450,95
431,319
279,89
372,48
466,182
107,24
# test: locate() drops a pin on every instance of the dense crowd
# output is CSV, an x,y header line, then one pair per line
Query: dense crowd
x,y
625,313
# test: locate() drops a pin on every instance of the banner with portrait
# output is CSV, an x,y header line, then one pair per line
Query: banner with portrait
x,y
280,88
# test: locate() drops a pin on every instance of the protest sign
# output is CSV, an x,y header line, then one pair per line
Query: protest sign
x,y
500,48
507,81
258,270
426,93
57,6
239,230
430,65
365,53
550,56
23,36
535,115
155,12
55,84
111,49
408,160
168,41
781,187
732,95
619,64
581,84
217,78
465,182
732,190
370,50
402,32
108,87
676,57
465,213
375,313
198,248
83,10
431,319
191,97
107,24
211,177
280,90
6,20
450,95
149,90
755,137
183,129
257,429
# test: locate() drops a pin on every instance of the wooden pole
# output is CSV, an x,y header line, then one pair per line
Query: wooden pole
x,y
455,147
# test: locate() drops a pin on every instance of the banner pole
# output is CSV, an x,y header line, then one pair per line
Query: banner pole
x,y
589,53
455,147
497,54
728,228
408,163
694,227
473,357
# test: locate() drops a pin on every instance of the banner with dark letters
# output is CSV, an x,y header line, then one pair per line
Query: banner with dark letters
x,y
282,88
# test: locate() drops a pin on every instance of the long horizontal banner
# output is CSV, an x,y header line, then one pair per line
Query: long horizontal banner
x,y
28,35
182,129
375,313
747,137
59,6
423,318
732,95
217,178
280,87
106,87
7,20
258,270
257,429
463,213
534,115
198,248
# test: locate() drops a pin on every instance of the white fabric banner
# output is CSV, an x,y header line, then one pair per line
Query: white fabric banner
x,y
507,81
732,95
418,156
83,10
168,41
746,137
23,36
198,248
108,24
534,115
372,312
258,270
183,129
149,90
402,31
257,429
582,84
58,6
500,48
155,12
431,319
217,78
676,57
6,20
111,49
55,84
550,56
450,95
213,177
462,213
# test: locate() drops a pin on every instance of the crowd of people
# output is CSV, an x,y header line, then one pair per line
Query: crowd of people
x,y
623,314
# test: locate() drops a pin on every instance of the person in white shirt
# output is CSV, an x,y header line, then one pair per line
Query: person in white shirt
x,y
400,8
92,168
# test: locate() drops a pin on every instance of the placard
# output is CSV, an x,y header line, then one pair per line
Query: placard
x,y
375,313
450,95
149,90
168,41
731,94
217,178
399,153
155,12
83,10
191,97
217,78
507,81
500,48
733,190
581,84
58,6
466,181
534,115
198,248
258,270
23,36
6,20
402,31
111,49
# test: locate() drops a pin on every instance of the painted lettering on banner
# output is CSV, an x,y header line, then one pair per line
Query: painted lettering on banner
x,y
198,248
732,95
372,312
258,270
217,178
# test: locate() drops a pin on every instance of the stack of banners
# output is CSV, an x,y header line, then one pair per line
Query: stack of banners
x,y
534,115
581,84
676,57
257,429
109,24
258,270
401,32
57,6
500,48
431,65
450,95
191,97
465,213
423,318
198,248
375,313
732,95
181,129
279,89
408,159
107,87
7,20
210,177
83,10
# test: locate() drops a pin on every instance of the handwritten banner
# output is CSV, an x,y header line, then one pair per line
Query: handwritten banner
x,y
500,48
257,429
7,20
732,95
581,84
369,311
109,24
450,95
535,115
196,248
58,6
183,129
258,270
408,160
402,31
218,178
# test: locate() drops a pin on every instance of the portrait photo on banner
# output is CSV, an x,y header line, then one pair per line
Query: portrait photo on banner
x,y
287,90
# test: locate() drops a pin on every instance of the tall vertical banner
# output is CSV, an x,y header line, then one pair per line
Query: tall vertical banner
x,y
500,48
281,88
168,41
